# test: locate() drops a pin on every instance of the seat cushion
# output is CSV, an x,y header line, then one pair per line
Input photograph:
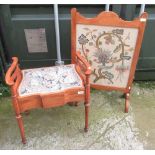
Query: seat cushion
x,y
49,80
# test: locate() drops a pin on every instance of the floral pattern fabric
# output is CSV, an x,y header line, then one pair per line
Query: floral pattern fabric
x,y
109,51
49,80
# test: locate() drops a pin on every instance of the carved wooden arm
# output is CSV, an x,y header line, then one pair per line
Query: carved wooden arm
x,y
84,70
82,67
13,76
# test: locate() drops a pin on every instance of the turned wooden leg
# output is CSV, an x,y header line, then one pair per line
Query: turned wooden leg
x,y
87,102
127,102
21,127
86,116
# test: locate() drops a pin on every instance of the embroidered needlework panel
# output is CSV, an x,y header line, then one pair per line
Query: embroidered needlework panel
x,y
109,50
49,80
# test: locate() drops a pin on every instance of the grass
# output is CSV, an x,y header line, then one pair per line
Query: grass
x,y
4,90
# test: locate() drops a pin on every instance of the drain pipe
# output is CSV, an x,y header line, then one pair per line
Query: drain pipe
x,y
107,7
56,21
142,9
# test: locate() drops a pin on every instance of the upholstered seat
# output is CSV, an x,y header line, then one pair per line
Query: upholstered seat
x,y
49,87
49,80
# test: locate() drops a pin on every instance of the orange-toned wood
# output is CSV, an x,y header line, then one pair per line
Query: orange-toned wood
x,y
127,102
21,127
18,114
24,103
14,75
87,101
110,19
82,66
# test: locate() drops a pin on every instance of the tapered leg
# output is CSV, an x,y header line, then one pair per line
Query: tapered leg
x,y
127,102
86,116
87,101
21,127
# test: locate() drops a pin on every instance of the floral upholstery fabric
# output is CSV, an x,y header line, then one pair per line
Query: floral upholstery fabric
x,y
109,50
49,80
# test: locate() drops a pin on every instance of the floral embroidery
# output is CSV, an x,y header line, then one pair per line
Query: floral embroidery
x,y
103,74
83,40
109,51
49,79
121,69
102,56
109,40
118,31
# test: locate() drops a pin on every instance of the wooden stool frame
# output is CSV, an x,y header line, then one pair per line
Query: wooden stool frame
x,y
23,104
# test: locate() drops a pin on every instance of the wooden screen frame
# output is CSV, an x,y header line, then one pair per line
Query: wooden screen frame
x,y
110,19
